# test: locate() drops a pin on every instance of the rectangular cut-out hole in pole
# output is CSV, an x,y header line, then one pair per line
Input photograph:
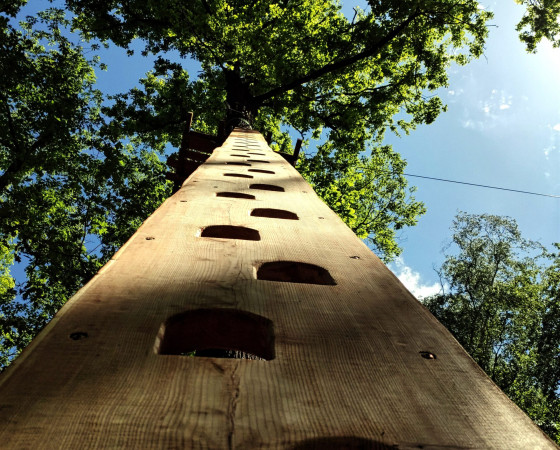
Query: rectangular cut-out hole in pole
x,y
235,163
218,333
274,213
258,161
261,171
230,232
294,272
266,187
235,195
238,175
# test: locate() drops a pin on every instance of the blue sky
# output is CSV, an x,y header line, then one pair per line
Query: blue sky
x,y
502,128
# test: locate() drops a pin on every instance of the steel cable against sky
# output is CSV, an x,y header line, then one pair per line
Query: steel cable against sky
x,y
482,185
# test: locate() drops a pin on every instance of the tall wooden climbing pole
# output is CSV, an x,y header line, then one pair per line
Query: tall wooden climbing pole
x,y
244,314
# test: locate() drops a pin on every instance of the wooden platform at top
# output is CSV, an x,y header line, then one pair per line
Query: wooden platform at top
x,y
351,359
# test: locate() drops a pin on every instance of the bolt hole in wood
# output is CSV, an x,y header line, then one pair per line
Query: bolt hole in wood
x,y
427,355
150,238
267,187
78,335
238,175
261,171
274,213
217,333
230,232
294,272
235,195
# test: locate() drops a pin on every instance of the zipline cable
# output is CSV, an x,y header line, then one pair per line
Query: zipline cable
x,y
481,185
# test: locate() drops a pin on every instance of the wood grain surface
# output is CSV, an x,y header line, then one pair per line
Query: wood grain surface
x,y
344,356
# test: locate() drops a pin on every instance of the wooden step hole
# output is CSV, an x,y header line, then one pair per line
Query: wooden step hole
x,y
217,333
267,187
274,213
239,156
235,195
294,272
230,232
261,171
235,163
258,161
260,154
238,175
343,442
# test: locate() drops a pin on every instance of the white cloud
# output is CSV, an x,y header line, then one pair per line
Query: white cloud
x,y
498,100
413,280
492,116
454,94
479,125
556,127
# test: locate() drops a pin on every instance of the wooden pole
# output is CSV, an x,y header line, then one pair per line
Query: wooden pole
x,y
297,149
244,314
292,159
185,138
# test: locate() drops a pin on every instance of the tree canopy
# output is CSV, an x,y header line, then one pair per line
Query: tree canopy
x,y
69,195
304,66
79,171
539,22
501,301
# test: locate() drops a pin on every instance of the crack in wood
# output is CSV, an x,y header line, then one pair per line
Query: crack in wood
x,y
232,406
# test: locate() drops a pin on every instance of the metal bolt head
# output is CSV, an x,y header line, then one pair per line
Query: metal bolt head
x,y
428,355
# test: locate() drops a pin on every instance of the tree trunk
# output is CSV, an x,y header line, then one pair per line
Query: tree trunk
x,y
241,105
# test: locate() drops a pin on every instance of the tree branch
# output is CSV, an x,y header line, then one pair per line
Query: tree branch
x,y
337,65
207,7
